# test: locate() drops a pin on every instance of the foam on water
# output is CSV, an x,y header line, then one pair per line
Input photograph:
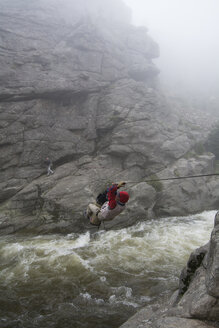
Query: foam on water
x,y
145,245
149,244
111,271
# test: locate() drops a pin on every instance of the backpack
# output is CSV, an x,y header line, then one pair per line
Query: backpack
x,y
102,198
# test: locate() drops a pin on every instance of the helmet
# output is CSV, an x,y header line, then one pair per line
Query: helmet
x,y
123,196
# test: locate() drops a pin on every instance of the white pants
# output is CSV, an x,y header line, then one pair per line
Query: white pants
x,y
49,171
92,213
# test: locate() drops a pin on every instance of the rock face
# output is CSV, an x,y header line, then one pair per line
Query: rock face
x,y
196,303
78,85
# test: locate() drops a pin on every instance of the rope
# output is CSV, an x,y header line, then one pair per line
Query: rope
x,y
178,178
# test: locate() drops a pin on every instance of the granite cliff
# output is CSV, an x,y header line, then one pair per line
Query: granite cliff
x,y
78,84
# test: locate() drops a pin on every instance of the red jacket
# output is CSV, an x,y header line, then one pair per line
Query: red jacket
x,y
111,194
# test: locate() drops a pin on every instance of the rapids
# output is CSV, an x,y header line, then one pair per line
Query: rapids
x,y
94,280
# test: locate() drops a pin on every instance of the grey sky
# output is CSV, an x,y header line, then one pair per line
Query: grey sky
x,y
187,32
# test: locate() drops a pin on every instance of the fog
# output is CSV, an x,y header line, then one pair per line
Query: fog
x,y
187,32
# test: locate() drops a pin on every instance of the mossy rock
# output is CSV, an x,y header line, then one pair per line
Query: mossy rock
x,y
155,183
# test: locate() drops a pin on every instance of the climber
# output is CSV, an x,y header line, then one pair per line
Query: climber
x,y
113,206
49,166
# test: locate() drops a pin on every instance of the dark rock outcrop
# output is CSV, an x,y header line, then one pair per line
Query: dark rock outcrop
x,y
196,302
78,84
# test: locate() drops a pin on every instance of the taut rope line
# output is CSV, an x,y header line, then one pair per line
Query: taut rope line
x,y
177,178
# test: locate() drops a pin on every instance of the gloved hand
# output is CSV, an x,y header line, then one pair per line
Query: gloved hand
x,y
121,184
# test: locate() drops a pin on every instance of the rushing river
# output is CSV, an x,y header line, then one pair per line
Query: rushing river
x,y
94,280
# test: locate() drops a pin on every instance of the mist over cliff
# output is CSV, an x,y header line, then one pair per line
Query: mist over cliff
x,y
187,33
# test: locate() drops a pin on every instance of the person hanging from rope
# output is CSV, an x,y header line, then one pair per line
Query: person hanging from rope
x,y
49,166
114,204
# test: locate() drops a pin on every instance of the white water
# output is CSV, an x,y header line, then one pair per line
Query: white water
x,y
100,279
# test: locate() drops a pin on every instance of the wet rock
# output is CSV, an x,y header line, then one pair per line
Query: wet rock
x,y
212,277
193,264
